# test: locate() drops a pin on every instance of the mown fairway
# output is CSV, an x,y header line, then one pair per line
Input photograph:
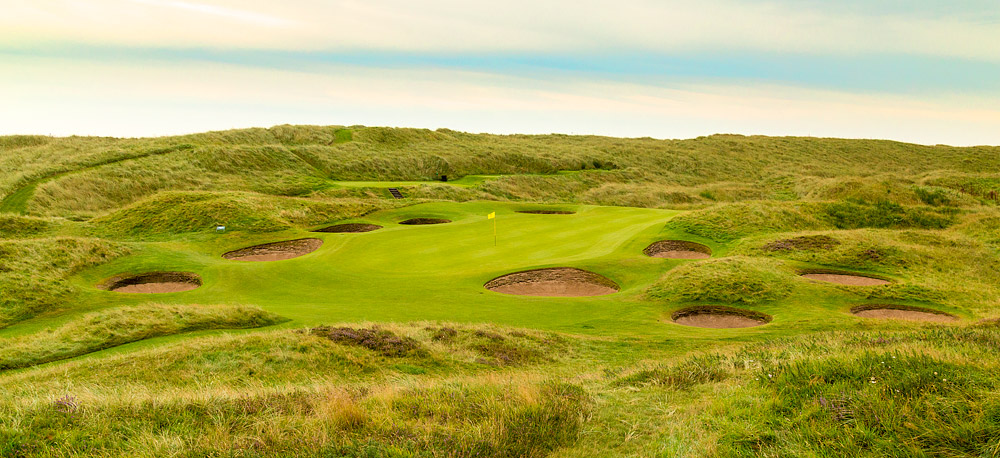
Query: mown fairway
x,y
387,343
407,273
431,272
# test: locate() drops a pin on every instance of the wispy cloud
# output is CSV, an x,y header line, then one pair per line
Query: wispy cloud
x,y
667,26
913,70
169,98
220,11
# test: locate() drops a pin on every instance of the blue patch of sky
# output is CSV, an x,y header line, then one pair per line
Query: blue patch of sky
x,y
896,73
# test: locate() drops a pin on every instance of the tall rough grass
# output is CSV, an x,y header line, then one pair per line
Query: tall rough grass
x,y
184,212
289,393
927,392
33,273
296,160
727,280
105,329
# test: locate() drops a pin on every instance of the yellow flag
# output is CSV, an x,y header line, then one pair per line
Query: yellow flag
x,y
491,215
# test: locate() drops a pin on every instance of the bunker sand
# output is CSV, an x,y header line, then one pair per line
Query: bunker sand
x,y
719,317
275,251
422,221
901,312
846,279
678,249
152,283
350,228
553,282
546,212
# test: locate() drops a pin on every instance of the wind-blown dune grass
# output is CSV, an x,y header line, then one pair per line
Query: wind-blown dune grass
x,y
352,398
297,160
185,212
729,222
105,329
14,226
925,392
33,273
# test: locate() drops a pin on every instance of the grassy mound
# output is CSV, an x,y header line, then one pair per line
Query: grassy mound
x,y
183,212
727,280
110,173
26,292
282,358
893,189
979,186
918,256
264,169
873,402
470,419
15,226
984,227
733,221
110,328
332,397
925,392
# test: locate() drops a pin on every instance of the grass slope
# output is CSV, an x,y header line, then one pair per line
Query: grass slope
x,y
99,330
301,160
393,347
399,404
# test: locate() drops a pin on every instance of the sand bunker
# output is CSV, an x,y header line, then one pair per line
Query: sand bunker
x,y
546,212
902,312
719,317
555,282
842,278
419,221
152,282
275,251
678,249
350,227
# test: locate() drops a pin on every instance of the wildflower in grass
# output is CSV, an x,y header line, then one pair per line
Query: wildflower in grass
x,y
67,405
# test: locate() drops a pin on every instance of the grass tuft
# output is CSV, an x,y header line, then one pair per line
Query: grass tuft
x,y
381,341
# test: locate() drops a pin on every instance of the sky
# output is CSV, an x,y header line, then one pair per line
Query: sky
x,y
921,71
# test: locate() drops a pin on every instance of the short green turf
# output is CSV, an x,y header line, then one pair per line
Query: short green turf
x,y
429,272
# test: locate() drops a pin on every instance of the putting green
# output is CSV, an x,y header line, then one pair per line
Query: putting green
x,y
436,272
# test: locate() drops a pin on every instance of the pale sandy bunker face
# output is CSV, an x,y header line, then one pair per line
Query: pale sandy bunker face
x,y
153,283
275,251
901,312
846,279
678,249
546,212
553,282
424,221
349,228
719,317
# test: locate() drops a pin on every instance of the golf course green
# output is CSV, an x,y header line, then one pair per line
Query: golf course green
x,y
720,296
433,272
